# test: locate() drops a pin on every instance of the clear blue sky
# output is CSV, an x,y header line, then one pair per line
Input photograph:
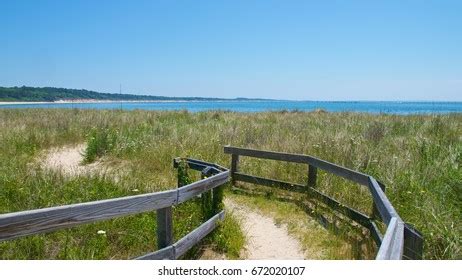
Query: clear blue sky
x,y
309,50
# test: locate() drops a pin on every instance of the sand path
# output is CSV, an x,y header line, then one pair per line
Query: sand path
x,y
265,239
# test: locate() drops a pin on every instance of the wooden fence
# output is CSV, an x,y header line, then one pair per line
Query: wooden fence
x,y
24,223
400,241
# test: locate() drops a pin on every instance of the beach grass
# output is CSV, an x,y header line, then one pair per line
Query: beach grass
x,y
418,158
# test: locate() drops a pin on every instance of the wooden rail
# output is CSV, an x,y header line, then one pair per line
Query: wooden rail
x,y
400,241
24,223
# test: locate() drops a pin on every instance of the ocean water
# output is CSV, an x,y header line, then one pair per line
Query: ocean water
x,y
402,108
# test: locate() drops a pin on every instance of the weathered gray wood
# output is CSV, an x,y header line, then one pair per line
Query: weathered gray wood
x,y
193,189
14,225
312,175
269,182
393,241
349,174
234,167
356,216
213,165
413,243
199,165
335,205
191,239
383,205
164,227
375,233
398,242
167,253
375,211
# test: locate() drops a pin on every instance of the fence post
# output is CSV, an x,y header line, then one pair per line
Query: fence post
x,y
234,166
206,197
164,227
312,175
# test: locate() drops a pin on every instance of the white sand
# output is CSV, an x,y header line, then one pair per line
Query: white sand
x,y
265,240
69,160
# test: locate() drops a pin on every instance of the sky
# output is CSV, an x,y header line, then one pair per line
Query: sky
x,y
299,50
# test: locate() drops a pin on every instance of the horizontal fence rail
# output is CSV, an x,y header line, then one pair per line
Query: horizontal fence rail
x,y
400,240
178,249
24,223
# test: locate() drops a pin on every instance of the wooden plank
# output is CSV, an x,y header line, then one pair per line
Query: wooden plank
x,y
167,253
211,164
386,210
344,172
269,182
312,175
335,205
193,189
413,243
14,225
191,239
375,233
199,165
375,211
392,243
356,216
164,227
398,242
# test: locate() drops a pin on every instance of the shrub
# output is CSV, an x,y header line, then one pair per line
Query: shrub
x,y
99,143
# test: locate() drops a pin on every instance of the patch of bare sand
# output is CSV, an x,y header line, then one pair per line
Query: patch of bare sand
x,y
68,160
265,239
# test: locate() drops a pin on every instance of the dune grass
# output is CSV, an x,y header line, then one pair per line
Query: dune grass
x,y
418,157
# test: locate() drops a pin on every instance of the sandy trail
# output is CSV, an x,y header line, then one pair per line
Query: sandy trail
x,y
265,240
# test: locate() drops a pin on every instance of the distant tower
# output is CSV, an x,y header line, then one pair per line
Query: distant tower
x,y
120,88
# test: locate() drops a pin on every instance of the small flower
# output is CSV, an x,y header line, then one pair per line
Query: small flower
x,y
101,232
135,190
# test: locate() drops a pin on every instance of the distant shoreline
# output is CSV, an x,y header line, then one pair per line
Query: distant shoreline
x,y
96,101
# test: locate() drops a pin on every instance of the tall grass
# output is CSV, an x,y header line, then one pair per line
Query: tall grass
x,y
417,157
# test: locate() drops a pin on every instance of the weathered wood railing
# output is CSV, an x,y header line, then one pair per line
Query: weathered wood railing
x,y
24,223
400,241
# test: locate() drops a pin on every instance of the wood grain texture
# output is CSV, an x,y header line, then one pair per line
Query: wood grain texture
x,y
393,241
193,189
25,223
167,253
383,205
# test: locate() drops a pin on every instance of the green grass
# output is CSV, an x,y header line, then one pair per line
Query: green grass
x,y
417,157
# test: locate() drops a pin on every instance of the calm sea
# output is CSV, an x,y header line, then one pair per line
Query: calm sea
x,y
258,106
